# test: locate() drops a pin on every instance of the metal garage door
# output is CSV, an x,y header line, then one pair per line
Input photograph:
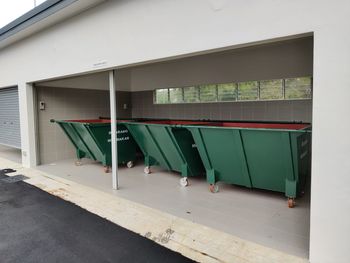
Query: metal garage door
x,y
9,118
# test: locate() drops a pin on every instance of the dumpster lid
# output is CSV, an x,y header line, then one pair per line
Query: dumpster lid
x,y
91,121
175,122
287,126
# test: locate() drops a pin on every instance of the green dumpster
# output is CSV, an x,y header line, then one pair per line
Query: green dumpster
x,y
267,156
92,139
165,144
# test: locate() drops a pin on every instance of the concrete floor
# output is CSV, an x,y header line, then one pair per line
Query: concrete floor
x,y
259,216
11,154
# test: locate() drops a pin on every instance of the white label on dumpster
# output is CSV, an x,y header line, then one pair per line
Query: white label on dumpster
x,y
303,154
119,132
194,145
121,139
303,143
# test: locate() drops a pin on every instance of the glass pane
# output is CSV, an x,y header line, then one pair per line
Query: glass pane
x,y
191,94
162,96
298,88
271,89
176,95
248,90
207,92
227,92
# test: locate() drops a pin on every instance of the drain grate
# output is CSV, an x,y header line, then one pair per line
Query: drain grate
x,y
14,179
7,171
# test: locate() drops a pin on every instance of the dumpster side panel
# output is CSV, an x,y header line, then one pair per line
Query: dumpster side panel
x,y
167,146
101,135
145,141
126,145
222,154
93,141
269,156
81,149
90,142
301,158
189,150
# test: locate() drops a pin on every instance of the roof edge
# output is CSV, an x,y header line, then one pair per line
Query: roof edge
x,y
36,14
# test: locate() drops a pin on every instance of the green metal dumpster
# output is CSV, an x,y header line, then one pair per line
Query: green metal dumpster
x,y
267,156
165,144
92,139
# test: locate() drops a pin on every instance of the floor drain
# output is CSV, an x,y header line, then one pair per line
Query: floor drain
x,y
14,179
8,170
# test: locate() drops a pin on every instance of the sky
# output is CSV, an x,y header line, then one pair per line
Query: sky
x,y
12,9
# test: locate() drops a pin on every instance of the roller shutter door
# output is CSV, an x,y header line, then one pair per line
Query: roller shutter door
x,y
10,134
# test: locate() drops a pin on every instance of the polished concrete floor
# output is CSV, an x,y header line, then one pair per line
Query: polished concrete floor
x,y
259,216
11,154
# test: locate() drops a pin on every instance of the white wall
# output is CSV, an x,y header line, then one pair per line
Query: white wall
x,y
285,59
96,81
117,33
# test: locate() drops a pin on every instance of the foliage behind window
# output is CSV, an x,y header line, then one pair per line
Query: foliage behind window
x,y
277,89
248,90
207,93
191,94
176,95
162,96
298,88
271,89
227,92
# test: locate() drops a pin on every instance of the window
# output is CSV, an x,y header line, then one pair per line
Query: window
x,y
271,89
248,90
276,89
176,95
298,88
207,93
227,92
191,94
162,96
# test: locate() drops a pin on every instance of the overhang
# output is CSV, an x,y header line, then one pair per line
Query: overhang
x,y
47,14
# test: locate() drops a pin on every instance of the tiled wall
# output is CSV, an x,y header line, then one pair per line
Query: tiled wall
x,y
65,103
301,110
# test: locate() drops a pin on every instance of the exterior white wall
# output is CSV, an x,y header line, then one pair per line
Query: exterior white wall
x,y
118,33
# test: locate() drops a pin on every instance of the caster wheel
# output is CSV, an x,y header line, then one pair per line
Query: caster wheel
x,y
147,170
78,163
106,169
184,181
214,188
130,164
291,202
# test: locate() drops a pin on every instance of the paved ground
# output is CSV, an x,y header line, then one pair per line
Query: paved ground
x,y
38,227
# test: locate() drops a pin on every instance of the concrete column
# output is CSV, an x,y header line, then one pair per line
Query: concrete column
x,y
28,127
113,105
330,186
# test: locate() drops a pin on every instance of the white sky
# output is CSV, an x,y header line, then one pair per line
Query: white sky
x,y
12,9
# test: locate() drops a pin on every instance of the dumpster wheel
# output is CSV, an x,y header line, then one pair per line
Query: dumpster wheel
x,y
106,169
130,164
214,188
291,202
147,170
184,181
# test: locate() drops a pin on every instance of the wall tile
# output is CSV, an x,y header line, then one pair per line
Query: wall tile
x,y
143,106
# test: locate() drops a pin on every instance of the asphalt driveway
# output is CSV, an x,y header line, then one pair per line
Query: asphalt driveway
x,y
38,227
